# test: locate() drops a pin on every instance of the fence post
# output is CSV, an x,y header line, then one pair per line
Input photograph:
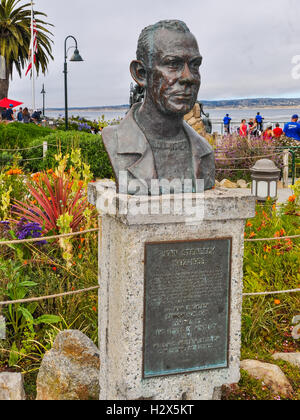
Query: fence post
x,y
285,168
45,149
293,153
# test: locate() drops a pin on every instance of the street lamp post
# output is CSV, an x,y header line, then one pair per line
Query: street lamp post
x,y
75,57
43,92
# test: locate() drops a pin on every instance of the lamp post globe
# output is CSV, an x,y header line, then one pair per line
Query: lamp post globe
x,y
43,92
265,177
75,57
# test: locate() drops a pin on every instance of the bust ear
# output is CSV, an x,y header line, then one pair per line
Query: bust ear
x,y
138,72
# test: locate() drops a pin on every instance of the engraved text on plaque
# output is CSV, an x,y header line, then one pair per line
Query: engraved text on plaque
x,y
187,293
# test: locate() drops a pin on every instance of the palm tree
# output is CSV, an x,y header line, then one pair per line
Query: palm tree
x,y
15,38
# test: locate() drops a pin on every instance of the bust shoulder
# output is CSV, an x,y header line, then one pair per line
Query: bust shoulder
x,y
204,148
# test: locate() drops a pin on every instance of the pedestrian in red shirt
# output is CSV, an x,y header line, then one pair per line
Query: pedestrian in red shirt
x,y
268,133
243,128
277,131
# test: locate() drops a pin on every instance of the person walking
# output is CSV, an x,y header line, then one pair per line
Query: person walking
x,y
252,127
10,113
259,119
227,121
278,131
20,115
26,116
268,133
243,129
3,115
292,129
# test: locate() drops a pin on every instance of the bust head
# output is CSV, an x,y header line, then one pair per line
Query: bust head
x,y
167,67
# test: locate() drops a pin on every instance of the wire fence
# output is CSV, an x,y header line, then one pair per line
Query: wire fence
x,y
36,240
45,146
75,292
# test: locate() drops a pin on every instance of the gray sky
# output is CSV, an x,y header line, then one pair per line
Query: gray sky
x,y
247,48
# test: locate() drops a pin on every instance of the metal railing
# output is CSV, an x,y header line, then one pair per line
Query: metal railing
x,y
234,125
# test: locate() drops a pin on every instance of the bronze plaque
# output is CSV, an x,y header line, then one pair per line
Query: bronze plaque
x,y
187,294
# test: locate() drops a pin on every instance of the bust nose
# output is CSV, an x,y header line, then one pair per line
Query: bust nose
x,y
187,77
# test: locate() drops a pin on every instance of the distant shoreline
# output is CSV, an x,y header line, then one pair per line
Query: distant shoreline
x,y
206,107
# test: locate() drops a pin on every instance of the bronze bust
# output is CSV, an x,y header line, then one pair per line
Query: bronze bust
x,y
153,142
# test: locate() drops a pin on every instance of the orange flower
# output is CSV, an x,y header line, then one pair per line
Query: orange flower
x,y
249,224
252,235
14,172
80,256
277,302
54,268
282,232
36,176
94,309
292,198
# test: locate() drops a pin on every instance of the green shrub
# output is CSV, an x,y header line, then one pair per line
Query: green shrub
x,y
17,135
92,150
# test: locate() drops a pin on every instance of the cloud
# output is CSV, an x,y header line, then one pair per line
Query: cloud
x,y
247,47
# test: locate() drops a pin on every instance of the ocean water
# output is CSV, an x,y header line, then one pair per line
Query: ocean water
x,y
89,115
274,115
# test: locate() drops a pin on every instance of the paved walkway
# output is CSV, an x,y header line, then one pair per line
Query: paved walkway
x,y
284,194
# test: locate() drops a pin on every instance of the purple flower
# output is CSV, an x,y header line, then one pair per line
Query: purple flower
x,y
4,228
27,230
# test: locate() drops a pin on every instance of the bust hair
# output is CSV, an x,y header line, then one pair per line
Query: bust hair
x,y
146,39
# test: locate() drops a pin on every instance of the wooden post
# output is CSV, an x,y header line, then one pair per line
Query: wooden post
x,y
285,168
45,149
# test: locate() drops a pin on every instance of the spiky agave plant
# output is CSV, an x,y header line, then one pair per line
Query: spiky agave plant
x,y
53,198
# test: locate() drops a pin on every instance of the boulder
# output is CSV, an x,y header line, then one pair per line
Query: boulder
x,y
270,374
197,111
241,183
227,184
11,387
292,358
70,370
192,121
189,115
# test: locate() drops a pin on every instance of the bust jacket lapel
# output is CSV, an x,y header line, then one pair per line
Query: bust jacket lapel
x,y
134,142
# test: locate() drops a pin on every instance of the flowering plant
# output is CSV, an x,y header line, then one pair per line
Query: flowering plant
x,y
235,156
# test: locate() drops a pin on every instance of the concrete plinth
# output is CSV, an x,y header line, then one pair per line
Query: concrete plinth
x,y
122,242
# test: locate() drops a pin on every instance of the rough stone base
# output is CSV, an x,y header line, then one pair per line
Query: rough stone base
x,y
121,277
11,387
70,370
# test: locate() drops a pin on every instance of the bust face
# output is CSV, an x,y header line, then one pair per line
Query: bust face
x,y
173,80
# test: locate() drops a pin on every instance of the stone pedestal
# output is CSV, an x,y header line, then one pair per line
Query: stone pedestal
x,y
123,295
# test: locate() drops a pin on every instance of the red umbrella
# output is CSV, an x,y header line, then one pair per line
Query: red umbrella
x,y
5,103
